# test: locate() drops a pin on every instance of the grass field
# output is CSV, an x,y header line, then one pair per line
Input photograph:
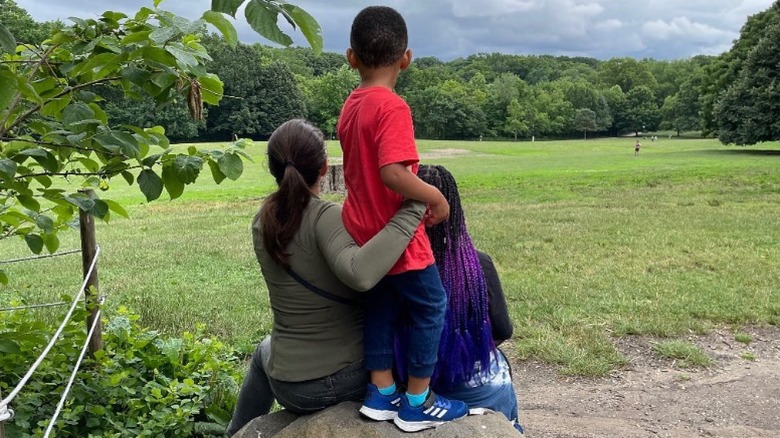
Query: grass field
x,y
590,242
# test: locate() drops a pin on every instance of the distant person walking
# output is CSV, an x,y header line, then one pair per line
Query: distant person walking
x,y
636,148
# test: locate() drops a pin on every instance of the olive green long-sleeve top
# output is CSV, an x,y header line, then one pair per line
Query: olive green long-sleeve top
x,y
313,336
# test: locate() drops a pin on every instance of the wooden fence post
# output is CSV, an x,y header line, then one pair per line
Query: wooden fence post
x,y
88,250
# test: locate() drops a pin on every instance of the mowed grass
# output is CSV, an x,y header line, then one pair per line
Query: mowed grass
x,y
591,243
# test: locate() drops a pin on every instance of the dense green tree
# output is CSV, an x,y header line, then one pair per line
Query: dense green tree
x,y
506,88
749,111
447,111
325,95
552,114
582,94
616,101
627,73
22,26
641,112
725,70
681,111
585,120
517,117
258,98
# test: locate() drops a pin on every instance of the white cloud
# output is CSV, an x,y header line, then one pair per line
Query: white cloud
x,y
663,29
682,27
609,25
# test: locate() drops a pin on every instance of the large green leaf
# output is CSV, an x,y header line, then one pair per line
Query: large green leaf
x,y
216,173
116,208
308,25
82,201
231,165
173,185
99,209
224,26
263,19
7,168
7,41
187,168
45,158
29,203
8,84
229,7
150,183
76,112
34,242
3,278
211,88
52,242
44,223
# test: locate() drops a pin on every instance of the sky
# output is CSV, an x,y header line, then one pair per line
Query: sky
x,y
449,29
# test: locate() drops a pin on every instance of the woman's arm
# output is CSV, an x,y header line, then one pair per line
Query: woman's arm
x,y
499,315
358,267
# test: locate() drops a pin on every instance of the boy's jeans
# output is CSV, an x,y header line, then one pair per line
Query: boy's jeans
x,y
424,302
259,390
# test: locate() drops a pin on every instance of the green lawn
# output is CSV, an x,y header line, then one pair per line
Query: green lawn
x,y
591,243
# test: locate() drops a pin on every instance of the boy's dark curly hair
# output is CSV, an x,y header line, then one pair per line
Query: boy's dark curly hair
x,y
379,37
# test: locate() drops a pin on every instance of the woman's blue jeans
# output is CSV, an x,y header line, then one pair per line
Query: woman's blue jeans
x,y
259,391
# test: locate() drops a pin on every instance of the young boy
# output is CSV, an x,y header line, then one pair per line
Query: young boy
x,y
380,164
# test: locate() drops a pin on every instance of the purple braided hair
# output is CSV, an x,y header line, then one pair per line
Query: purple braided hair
x,y
466,339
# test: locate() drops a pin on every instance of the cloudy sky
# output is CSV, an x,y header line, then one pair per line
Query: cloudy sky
x,y
448,29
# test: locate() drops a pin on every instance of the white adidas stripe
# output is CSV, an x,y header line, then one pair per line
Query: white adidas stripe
x,y
428,411
443,412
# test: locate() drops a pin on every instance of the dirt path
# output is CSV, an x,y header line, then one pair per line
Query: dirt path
x,y
652,397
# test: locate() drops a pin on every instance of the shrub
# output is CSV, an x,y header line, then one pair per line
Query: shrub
x,y
141,384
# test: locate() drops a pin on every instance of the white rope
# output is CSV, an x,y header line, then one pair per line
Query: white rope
x,y
45,256
72,376
6,401
33,306
6,414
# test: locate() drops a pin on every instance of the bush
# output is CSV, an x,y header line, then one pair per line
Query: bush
x,y
140,384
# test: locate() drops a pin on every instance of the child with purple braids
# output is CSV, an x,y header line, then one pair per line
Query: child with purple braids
x,y
476,320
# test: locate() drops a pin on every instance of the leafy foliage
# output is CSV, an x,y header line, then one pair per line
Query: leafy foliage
x,y
748,112
55,135
140,384
263,15
260,97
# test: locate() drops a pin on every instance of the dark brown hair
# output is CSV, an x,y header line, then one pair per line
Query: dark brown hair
x,y
296,155
378,36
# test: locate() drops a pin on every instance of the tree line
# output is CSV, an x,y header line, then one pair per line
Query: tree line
x,y
487,95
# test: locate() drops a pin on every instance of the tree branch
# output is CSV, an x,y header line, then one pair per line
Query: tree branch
x,y
108,173
57,146
18,95
67,90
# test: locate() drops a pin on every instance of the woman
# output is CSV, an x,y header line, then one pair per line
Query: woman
x,y
477,317
312,267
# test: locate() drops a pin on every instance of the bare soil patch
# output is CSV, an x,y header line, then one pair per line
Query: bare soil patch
x,y
445,153
654,397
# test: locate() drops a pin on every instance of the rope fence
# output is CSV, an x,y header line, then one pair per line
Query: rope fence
x,y
73,374
32,306
5,412
45,256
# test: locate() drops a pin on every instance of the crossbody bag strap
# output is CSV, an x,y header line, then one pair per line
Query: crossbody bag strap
x,y
324,293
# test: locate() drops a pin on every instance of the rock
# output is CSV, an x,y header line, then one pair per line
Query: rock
x,y
344,421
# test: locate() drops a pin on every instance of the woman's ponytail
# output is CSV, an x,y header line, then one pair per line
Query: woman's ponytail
x,y
296,157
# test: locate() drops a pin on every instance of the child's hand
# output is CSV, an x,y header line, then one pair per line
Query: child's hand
x,y
437,213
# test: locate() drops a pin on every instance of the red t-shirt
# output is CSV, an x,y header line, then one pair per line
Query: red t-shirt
x,y
375,129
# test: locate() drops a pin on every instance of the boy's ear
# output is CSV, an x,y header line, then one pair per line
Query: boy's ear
x,y
406,59
352,58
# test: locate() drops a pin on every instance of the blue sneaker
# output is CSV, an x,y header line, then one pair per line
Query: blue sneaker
x,y
380,407
434,412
